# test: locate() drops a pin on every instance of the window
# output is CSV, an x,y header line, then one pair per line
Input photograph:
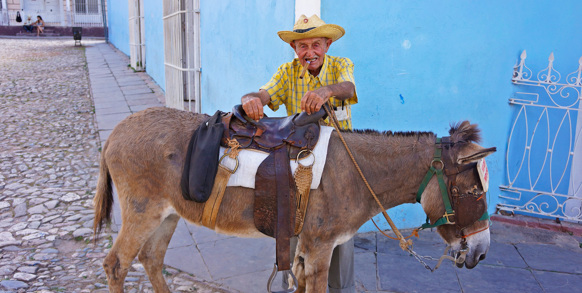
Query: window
x,y
87,6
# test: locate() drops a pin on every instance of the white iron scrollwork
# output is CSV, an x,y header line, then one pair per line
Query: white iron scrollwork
x,y
544,147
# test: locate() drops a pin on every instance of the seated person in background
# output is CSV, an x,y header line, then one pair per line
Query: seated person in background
x,y
28,26
39,25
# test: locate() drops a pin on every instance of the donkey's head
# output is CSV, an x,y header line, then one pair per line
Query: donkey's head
x,y
455,200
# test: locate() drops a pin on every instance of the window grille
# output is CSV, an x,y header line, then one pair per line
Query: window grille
x,y
544,150
87,6
182,54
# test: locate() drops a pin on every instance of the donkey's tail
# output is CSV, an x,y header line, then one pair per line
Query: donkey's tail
x,y
103,200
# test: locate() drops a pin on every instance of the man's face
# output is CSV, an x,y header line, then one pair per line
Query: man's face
x,y
312,50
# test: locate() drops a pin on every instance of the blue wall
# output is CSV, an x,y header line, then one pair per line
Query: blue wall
x,y
118,21
240,48
154,39
421,65
118,24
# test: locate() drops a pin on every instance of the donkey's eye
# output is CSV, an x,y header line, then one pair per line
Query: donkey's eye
x,y
476,190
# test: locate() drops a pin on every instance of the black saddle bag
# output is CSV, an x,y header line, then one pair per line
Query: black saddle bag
x,y
201,162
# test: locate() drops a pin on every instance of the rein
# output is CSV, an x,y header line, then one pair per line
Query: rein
x,y
404,244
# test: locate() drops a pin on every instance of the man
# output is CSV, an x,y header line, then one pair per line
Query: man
x,y
28,26
305,84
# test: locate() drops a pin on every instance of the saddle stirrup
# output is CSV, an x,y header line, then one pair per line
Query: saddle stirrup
x,y
272,277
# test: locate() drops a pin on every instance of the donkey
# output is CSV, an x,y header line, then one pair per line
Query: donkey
x,y
144,158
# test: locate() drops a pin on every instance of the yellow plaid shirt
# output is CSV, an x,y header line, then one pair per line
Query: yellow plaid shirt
x,y
286,88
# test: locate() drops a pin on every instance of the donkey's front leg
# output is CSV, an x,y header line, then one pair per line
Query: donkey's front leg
x,y
311,264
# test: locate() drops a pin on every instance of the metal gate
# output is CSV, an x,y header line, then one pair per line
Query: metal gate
x,y
182,54
544,151
136,35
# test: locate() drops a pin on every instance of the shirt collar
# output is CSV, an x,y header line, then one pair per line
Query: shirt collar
x,y
324,67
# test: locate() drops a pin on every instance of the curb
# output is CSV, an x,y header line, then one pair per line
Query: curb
x,y
531,222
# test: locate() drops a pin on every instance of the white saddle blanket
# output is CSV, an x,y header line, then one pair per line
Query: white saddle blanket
x,y
249,161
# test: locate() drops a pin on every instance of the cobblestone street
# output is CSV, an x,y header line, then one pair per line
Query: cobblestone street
x,y
49,154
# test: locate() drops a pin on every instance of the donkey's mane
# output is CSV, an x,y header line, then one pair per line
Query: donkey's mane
x,y
465,131
459,132
390,133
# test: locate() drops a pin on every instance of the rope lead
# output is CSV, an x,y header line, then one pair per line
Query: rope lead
x,y
404,244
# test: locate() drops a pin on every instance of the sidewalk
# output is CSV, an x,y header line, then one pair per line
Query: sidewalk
x,y
520,258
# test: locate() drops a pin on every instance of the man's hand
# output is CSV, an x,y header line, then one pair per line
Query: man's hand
x,y
253,105
313,100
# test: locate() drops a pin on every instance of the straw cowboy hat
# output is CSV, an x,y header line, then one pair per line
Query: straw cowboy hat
x,y
312,27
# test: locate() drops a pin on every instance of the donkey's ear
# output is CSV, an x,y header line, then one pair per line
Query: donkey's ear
x,y
476,156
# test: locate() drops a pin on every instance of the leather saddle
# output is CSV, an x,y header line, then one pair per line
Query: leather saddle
x,y
296,132
275,191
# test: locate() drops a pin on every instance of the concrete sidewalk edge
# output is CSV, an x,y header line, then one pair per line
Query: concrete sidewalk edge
x,y
531,222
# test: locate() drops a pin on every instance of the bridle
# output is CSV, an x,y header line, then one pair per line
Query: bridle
x,y
466,207
461,209
462,212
